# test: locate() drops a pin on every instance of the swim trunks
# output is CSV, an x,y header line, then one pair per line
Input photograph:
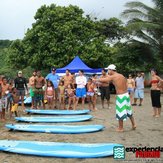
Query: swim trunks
x,y
123,106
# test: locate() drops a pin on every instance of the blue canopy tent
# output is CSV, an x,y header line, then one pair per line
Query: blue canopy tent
x,y
77,64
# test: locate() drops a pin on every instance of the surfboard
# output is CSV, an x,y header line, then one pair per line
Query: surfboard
x,y
28,101
59,112
57,129
77,118
55,149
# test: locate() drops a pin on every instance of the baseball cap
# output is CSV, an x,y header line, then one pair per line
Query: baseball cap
x,y
53,68
19,72
111,67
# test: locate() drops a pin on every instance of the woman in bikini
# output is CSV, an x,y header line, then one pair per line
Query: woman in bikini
x,y
130,87
90,94
156,93
50,94
71,96
61,89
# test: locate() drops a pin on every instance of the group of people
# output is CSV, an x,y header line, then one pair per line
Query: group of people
x,y
136,90
68,90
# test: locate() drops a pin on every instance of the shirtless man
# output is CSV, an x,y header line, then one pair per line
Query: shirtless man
x,y
31,84
104,88
68,78
5,89
123,106
38,90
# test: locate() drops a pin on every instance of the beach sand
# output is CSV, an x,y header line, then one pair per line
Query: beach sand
x,y
149,133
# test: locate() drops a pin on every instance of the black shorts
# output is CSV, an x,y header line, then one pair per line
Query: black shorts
x,y
105,93
155,98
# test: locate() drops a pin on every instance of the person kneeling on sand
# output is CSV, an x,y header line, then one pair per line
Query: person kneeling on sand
x,y
123,105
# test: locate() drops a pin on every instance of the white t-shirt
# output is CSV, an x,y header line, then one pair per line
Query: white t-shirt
x,y
139,82
81,81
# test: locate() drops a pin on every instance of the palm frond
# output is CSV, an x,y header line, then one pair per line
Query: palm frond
x,y
139,5
132,13
138,24
142,36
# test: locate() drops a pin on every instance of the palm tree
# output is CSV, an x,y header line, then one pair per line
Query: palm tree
x,y
145,23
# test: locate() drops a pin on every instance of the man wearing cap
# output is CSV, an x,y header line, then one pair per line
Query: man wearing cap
x,y
55,80
20,85
123,106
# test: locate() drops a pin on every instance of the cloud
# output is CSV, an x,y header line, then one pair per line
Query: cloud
x,y
18,15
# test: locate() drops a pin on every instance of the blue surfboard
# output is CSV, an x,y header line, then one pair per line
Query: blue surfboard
x,y
28,100
60,129
77,118
59,112
54,149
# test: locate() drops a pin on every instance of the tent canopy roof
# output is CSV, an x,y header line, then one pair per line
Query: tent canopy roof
x,y
77,64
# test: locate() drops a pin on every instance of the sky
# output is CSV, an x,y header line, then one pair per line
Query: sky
x,y
16,16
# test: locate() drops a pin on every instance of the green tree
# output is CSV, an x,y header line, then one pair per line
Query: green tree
x,y
133,57
56,37
112,29
16,56
146,24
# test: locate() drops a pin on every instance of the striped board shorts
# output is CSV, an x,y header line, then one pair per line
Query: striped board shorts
x,y
123,106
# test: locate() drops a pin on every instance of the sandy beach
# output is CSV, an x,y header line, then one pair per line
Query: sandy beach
x,y
149,133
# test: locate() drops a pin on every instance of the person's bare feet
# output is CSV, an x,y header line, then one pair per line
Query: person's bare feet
x,y
94,109
157,116
134,127
119,130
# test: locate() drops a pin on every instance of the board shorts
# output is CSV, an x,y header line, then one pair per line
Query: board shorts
x,y
38,94
105,93
80,92
20,92
31,92
14,107
139,93
4,102
1,105
123,106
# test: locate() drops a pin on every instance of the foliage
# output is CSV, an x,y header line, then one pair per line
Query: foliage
x,y
146,23
133,57
58,35
112,29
